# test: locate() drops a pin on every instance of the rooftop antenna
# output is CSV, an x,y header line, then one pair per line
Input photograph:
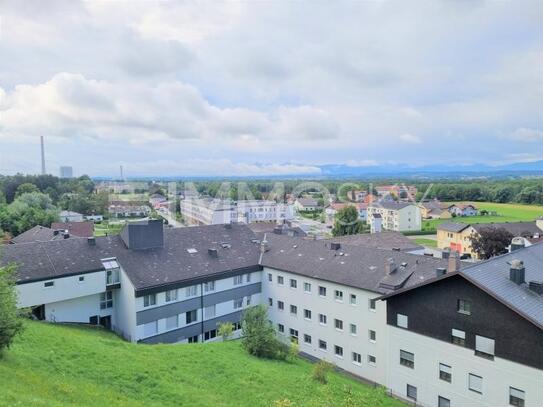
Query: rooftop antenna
x,y
42,156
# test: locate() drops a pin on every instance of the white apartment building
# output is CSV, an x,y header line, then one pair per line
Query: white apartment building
x,y
251,211
208,211
396,216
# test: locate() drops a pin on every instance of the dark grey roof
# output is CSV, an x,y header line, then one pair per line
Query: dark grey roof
x,y
146,234
525,229
384,240
354,266
392,205
261,228
453,227
36,234
308,201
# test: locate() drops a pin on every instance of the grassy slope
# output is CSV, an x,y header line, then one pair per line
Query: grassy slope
x,y
426,242
58,365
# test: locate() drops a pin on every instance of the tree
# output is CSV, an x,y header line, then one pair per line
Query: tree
x,y
27,211
321,370
26,188
346,222
259,336
10,321
490,242
225,330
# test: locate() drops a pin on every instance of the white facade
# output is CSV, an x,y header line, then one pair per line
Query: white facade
x,y
373,352
69,216
263,211
498,376
208,211
405,219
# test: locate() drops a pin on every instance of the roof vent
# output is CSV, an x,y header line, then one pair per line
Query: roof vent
x,y
335,245
441,271
91,241
517,271
536,287
390,266
404,264
278,230
213,252
396,249
517,243
228,226
66,235
56,232
264,246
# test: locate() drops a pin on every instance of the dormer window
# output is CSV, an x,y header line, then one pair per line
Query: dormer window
x,y
112,271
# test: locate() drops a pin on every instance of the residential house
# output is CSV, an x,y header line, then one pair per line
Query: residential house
x,y
396,216
306,204
128,209
79,229
37,234
250,211
208,211
333,208
94,218
357,196
70,216
433,209
157,200
463,210
399,191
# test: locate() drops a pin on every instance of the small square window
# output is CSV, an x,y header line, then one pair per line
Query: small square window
x,y
280,305
463,307
307,287
353,329
81,278
411,392
353,299
293,283
338,323
372,305
458,337
307,338
322,345
270,302
281,328
407,359
476,383
338,295
357,358
270,277
322,291
372,360
372,335
516,397
443,402
402,320
49,284
445,372
149,300
484,347
338,350
322,319
280,280
293,309
307,314
238,303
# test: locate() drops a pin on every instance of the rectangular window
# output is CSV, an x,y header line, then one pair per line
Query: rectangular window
x,y
280,280
209,312
401,320
294,335
353,300
209,286
443,402
171,295
248,278
322,345
293,283
411,392
307,314
281,328
372,305
338,350
458,337
516,397
106,300
372,360
112,277
171,322
149,300
280,305
484,347
463,307
372,336
322,319
238,303
476,383
49,284
238,280
191,316
193,339
150,328
338,295
293,309
322,291
192,291
82,278
357,358
353,329
270,302
307,338
307,287
338,323
445,372
270,277
210,335
407,359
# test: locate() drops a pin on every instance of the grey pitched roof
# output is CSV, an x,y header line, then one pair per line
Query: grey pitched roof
x,y
308,201
388,240
354,266
453,227
36,234
80,229
391,205
525,229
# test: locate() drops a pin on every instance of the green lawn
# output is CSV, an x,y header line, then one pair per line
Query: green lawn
x,y
426,242
53,365
101,229
505,213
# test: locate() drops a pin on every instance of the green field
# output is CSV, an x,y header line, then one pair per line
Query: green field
x,y
426,242
107,228
53,365
505,213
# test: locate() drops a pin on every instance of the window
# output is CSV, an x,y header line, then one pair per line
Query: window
x,y
307,287
49,284
407,359
353,329
270,277
238,303
280,280
294,335
445,372
293,309
322,291
81,278
270,302
372,335
171,295
280,305
248,278
307,313
106,300
112,277
338,323
150,328
484,347
191,316
411,392
281,328
476,383
463,307
372,360
352,299
248,300
171,322
443,402
149,300
293,283
401,320
209,286
372,305
516,397
238,280
322,319
338,351
322,345
307,338
237,326
357,358
192,291
210,335
458,337
209,312
193,339
338,295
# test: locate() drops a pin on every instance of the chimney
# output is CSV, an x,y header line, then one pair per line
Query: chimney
x,y
454,262
536,287
517,271
441,271
66,235
390,266
55,232
213,252
264,246
517,243
277,230
91,241
335,246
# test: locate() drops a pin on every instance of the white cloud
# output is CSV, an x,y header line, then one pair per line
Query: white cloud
x,y
410,138
527,135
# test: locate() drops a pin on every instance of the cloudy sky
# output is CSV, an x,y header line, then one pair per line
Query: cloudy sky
x,y
268,87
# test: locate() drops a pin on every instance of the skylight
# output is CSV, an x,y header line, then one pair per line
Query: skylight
x,y
192,250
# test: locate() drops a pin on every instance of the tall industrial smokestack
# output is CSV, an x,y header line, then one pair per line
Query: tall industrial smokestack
x,y
122,174
42,156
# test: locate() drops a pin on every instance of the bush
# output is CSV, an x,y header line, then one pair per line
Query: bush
x,y
225,330
259,336
282,403
293,350
10,320
321,370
